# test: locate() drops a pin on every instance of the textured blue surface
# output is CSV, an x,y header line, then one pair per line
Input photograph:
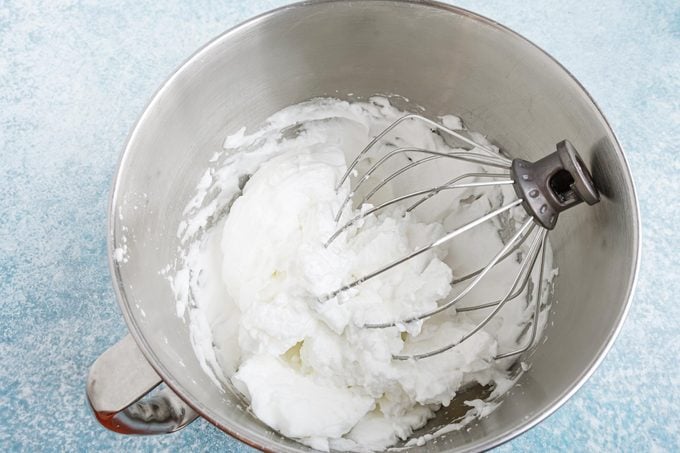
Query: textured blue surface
x,y
74,76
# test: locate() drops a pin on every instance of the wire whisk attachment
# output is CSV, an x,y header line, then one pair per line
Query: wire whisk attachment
x,y
543,188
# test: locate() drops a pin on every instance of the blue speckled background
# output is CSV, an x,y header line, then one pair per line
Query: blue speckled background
x,y
74,76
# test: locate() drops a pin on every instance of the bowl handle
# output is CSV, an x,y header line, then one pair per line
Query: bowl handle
x,y
118,387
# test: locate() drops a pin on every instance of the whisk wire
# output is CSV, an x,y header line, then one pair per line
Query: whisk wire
x,y
537,304
528,263
463,156
429,122
525,228
525,281
396,200
424,249
476,272
450,182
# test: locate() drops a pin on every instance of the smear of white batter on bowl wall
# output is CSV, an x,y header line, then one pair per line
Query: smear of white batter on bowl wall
x,y
255,268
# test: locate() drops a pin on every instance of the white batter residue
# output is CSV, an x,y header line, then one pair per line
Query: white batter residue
x,y
255,271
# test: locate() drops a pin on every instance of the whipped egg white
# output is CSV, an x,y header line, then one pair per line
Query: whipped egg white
x,y
256,269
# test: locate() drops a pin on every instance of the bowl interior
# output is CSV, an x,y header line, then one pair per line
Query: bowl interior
x,y
441,58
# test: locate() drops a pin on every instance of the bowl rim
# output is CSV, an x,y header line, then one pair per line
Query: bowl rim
x,y
203,411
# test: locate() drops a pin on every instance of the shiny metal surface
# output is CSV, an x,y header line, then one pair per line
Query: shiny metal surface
x,y
442,58
116,384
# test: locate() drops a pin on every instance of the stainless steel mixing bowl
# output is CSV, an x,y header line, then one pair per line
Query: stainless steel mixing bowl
x,y
443,58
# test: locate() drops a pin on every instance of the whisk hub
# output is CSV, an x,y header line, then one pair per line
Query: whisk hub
x,y
553,184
